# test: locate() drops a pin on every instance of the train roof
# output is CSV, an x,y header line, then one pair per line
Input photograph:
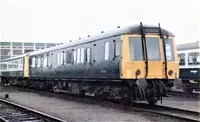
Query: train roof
x,y
188,46
133,29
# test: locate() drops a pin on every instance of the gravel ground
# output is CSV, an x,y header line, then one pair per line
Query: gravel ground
x,y
73,111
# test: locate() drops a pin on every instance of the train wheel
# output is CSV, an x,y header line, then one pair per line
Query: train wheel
x,y
187,86
100,97
188,89
124,102
152,102
55,89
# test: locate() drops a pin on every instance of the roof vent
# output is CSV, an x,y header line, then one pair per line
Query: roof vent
x,y
88,35
118,26
79,38
70,41
101,31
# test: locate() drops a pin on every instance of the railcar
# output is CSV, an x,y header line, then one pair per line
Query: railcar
x,y
134,63
189,61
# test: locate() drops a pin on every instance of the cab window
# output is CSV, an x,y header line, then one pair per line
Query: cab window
x,y
153,49
135,46
169,50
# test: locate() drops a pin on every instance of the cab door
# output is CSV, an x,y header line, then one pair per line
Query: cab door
x,y
133,65
132,57
156,67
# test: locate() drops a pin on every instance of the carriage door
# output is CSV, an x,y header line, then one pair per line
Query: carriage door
x,y
26,66
155,61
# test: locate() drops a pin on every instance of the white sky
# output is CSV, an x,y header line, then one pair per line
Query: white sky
x,y
64,20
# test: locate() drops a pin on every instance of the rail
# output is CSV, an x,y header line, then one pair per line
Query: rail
x,y
10,111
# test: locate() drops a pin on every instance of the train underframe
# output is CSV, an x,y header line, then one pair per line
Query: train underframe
x,y
127,91
190,85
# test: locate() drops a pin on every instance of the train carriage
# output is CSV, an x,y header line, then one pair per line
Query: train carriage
x,y
189,61
134,63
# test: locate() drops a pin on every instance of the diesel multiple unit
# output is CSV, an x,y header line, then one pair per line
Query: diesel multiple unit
x,y
135,63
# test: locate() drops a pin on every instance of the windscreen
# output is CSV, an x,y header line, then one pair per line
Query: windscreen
x,y
153,49
169,49
135,46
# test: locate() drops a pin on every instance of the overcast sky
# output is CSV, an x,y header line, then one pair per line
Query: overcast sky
x,y
64,20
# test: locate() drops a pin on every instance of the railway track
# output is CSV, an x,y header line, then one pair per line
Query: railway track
x,y
184,94
12,112
174,113
157,110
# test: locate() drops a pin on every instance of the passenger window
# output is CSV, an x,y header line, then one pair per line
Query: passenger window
x,y
61,58
64,57
45,61
117,48
11,64
18,64
36,62
39,61
106,51
74,56
181,57
33,62
82,55
5,66
58,58
50,59
69,57
78,55
88,53
194,58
